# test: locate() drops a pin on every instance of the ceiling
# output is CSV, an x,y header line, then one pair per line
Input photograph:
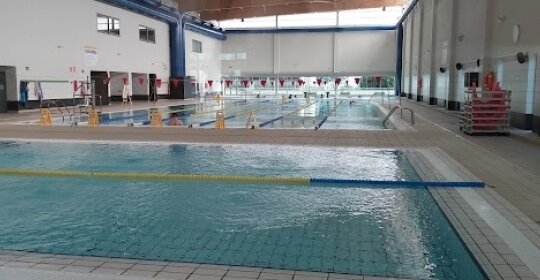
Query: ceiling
x,y
236,9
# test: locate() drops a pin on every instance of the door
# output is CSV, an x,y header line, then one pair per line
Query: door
x,y
3,93
153,88
101,86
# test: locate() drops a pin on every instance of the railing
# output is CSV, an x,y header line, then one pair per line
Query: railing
x,y
382,94
57,104
385,121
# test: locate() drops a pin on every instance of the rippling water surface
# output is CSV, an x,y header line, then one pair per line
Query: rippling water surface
x,y
390,232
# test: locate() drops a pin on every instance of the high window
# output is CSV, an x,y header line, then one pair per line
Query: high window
x,y
197,46
147,34
108,25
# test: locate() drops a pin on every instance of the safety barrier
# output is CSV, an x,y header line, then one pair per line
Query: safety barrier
x,y
93,118
240,179
156,119
45,118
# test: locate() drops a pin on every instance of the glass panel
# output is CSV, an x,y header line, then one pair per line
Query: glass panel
x,y
241,56
151,35
102,24
197,46
258,22
143,33
308,20
370,17
116,27
228,56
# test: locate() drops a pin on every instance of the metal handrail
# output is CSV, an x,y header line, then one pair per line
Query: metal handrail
x,y
381,93
413,121
59,108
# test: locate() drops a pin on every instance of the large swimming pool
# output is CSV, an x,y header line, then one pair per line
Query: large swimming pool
x,y
269,113
393,232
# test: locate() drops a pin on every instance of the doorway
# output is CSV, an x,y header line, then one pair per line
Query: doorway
x,y
101,85
153,88
140,86
3,93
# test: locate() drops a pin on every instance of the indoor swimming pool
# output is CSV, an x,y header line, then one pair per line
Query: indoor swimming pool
x,y
353,229
268,113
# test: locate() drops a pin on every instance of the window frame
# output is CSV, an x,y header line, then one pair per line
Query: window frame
x,y
196,43
111,25
148,30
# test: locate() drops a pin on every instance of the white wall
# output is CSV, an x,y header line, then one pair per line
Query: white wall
x,y
407,39
522,79
206,65
480,31
426,49
311,53
260,54
49,37
116,86
416,59
138,88
366,52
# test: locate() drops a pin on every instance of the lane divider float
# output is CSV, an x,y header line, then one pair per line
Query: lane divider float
x,y
238,179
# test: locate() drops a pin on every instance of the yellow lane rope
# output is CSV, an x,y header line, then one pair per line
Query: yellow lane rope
x,y
156,176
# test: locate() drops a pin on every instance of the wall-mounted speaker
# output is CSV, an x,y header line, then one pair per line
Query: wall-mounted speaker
x,y
522,57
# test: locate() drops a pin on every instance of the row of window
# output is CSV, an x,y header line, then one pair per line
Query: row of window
x,y
349,18
110,25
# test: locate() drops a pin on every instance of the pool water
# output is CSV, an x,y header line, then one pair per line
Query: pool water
x,y
392,232
273,113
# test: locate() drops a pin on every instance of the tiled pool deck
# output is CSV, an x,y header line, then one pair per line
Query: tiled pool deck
x,y
499,224
11,263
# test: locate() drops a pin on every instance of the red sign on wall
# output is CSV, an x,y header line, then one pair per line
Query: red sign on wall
x,y
107,80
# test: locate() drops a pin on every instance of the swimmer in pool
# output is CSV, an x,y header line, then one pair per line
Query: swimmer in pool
x,y
174,120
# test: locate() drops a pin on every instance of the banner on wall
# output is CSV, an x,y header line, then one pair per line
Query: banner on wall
x,y
90,56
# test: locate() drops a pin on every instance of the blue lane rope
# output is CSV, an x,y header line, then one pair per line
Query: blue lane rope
x,y
263,124
321,122
211,122
409,184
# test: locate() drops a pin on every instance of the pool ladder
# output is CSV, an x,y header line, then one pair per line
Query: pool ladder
x,y
385,121
59,105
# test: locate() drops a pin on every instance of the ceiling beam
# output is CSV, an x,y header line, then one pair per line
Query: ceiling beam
x,y
231,9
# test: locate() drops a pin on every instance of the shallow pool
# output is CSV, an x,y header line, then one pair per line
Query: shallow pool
x,y
394,232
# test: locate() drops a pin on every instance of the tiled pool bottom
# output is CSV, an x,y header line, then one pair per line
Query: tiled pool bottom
x,y
380,232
